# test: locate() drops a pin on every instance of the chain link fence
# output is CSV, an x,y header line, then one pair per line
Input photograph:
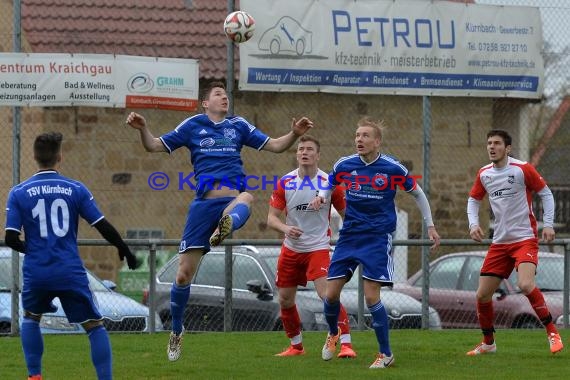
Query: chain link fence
x,y
106,155
243,296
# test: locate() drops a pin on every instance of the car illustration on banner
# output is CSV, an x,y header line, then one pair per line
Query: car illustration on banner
x,y
287,36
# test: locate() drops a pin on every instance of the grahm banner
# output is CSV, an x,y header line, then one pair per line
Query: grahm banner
x,y
98,80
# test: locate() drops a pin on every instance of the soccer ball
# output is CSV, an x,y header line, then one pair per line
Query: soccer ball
x,y
239,26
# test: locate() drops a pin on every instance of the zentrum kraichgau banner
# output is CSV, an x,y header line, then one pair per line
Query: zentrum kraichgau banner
x,y
98,80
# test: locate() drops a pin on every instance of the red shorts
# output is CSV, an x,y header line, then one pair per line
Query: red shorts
x,y
501,259
295,268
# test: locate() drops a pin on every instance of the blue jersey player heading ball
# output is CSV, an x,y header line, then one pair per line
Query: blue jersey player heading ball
x,y
47,207
371,179
221,206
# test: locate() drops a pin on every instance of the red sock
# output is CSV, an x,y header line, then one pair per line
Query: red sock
x,y
537,302
485,314
291,321
343,323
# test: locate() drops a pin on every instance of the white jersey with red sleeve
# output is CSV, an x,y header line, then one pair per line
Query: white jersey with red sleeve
x,y
510,191
293,194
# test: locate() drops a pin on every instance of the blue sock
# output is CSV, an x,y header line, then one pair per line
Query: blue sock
x,y
240,214
331,314
101,352
381,327
33,345
178,300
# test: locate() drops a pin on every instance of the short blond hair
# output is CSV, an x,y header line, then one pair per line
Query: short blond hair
x,y
376,125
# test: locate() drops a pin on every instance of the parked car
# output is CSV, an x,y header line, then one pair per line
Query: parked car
x,y
120,312
255,298
453,284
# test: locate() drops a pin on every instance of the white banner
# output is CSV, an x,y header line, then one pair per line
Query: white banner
x,y
97,80
393,47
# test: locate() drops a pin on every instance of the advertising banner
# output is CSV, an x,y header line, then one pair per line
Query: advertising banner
x,y
98,80
393,47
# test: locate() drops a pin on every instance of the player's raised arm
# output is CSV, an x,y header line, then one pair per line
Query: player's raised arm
x,y
298,128
150,143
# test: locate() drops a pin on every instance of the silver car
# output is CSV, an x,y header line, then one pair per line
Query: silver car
x,y
255,305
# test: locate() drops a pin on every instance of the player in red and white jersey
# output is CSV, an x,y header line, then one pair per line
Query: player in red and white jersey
x,y
305,250
510,184
510,191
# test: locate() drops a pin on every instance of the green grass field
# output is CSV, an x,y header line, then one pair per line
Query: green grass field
x,y
419,355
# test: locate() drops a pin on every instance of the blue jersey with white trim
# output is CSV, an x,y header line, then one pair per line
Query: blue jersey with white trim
x,y
215,148
47,207
370,191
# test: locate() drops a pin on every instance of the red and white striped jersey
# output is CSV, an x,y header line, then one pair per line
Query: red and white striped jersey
x,y
510,191
293,194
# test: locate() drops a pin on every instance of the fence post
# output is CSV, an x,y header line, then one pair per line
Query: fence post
x,y
360,315
16,142
228,289
425,288
427,123
15,299
566,290
152,288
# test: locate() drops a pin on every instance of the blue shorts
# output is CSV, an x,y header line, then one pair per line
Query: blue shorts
x,y
201,222
373,252
78,304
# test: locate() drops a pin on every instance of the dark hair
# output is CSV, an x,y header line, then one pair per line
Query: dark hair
x,y
507,139
209,87
306,137
46,149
